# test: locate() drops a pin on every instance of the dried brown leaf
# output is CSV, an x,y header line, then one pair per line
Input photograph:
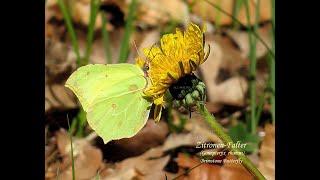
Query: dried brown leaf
x,y
207,11
232,91
58,67
211,171
79,10
159,12
267,153
242,40
87,158
176,140
152,135
196,131
147,166
223,56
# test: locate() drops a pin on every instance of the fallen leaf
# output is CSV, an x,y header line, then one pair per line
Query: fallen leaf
x,y
147,166
242,40
57,97
213,107
232,90
57,64
57,69
79,10
97,55
87,158
228,171
197,131
181,139
159,12
149,13
52,30
207,11
267,153
152,135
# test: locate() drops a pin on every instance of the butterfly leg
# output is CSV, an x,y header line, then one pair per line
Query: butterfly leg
x,y
171,77
181,68
207,54
193,65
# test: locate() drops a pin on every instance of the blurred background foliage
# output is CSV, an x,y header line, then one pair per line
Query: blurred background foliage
x,y
239,74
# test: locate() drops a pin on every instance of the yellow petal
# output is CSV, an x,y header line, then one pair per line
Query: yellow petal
x,y
157,113
159,101
204,27
171,60
158,108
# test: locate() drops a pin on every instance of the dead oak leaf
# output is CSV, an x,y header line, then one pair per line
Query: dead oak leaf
x,y
87,158
267,153
211,171
242,40
79,10
146,166
231,91
152,135
207,11
162,11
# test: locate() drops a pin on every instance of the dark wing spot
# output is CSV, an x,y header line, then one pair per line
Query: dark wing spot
x,y
133,87
114,106
88,73
106,75
120,124
143,114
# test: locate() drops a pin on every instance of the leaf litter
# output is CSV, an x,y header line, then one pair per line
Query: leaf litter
x,y
155,152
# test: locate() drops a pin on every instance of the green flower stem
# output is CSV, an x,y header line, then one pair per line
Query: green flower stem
x,y
226,139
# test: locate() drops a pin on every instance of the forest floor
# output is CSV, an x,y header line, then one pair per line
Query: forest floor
x,y
167,149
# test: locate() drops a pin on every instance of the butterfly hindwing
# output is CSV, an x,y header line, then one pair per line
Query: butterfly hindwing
x,y
112,97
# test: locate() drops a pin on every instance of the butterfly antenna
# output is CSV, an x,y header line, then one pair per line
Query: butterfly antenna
x,y
153,45
135,46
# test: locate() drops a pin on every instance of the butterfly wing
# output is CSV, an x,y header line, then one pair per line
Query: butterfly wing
x,y
119,117
112,97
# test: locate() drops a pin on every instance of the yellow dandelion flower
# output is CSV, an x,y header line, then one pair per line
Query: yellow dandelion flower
x,y
178,55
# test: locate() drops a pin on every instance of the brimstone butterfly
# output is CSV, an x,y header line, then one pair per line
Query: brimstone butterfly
x,y
112,97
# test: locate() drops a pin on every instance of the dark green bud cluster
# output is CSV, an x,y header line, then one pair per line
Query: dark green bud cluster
x,y
187,91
